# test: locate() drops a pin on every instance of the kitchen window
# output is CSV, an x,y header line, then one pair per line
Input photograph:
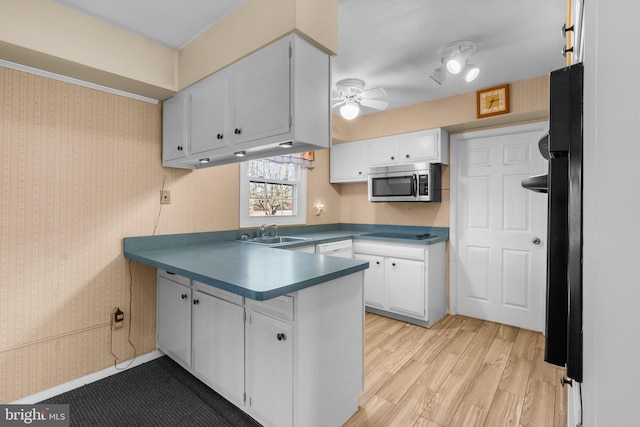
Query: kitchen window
x,y
272,191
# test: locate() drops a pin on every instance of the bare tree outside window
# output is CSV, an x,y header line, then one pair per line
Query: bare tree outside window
x,y
272,188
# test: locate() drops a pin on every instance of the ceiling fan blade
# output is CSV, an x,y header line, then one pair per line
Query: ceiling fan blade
x,y
373,93
338,103
372,103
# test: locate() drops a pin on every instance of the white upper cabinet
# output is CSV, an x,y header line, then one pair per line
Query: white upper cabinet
x,y
348,160
383,151
260,106
174,124
425,146
278,94
208,113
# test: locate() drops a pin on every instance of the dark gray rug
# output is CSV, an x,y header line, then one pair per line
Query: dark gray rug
x,y
157,393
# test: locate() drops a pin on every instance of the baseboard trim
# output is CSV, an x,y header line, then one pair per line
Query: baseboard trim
x,y
87,379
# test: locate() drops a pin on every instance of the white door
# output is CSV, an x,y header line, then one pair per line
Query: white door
x,y
405,286
218,344
500,228
174,320
270,369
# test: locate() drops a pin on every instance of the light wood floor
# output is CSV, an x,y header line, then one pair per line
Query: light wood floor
x,y
461,372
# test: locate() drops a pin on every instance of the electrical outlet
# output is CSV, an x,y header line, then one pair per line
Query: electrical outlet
x,y
117,319
165,197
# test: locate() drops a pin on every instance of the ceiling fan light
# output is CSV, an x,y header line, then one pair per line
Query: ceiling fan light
x,y
470,72
455,64
349,111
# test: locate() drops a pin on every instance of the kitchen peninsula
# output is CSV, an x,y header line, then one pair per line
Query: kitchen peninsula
x,y
278,333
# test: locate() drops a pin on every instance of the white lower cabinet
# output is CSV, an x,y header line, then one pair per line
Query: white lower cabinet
x,y
174,320
373,280
270,369
405,286
218,345
291,361
404,281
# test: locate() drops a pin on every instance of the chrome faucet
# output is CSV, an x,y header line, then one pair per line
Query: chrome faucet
x,y
264,228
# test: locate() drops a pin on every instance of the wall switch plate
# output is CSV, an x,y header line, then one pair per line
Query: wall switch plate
x,y
165,197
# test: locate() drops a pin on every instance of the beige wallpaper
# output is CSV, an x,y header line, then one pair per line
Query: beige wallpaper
x,y
79,170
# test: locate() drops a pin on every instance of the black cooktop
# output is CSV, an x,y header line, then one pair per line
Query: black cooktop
x,y
407,236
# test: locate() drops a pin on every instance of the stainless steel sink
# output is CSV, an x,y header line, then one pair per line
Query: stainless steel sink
x,y
275,240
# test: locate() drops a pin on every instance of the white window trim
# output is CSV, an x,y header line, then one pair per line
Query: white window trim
x,y
301,209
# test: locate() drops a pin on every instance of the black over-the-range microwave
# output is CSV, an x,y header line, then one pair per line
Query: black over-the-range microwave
x,y
414,182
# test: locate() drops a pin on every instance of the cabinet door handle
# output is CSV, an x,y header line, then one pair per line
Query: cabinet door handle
x,y
183,296
237,131
196,301
179,147
393,264
393,158
407,156
377,262
220,136
281,337
359,172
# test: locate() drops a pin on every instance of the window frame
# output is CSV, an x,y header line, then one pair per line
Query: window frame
x,y
300,208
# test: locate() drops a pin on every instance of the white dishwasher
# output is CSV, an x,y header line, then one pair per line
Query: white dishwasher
x,y
342,249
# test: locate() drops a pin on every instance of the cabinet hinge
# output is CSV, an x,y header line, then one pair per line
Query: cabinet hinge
x,y
244,317
290,51
244,397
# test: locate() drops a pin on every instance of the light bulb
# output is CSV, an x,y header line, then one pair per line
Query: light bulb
x,y
349,111
455,64
470,72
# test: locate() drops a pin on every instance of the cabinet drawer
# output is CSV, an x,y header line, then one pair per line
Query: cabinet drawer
x,y
217,292
280,307
174,277
389,250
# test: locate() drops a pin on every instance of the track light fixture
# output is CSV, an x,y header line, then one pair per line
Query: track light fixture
x,y
454,59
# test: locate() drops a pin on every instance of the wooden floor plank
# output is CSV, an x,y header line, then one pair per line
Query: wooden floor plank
x,y
560,419
408,411
525,344
461,372
515,376
539,404
371,414
402,381
445,402
373,382
505,410
423,422
373,358
542,370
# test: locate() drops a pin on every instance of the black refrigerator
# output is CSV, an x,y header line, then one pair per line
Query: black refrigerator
x,y
562,147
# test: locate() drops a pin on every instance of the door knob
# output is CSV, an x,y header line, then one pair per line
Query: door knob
x,y
536,241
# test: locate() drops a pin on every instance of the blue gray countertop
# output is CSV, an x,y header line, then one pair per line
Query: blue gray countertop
x,y
262,272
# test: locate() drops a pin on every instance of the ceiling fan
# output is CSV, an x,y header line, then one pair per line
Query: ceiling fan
x,y
351,95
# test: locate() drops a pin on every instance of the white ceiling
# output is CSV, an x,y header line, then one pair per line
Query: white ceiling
x,y
168,22
392,44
